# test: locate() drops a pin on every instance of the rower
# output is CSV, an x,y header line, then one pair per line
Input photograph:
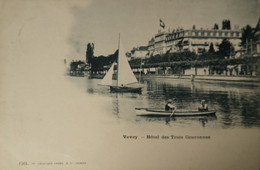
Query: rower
x,y
169,105
203,106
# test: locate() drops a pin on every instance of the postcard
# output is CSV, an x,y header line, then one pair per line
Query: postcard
x,y
129,84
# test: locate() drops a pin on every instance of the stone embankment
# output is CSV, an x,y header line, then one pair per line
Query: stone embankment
x,y
248,79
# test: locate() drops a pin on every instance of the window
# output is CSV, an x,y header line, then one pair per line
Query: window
x,y
201,50
186,42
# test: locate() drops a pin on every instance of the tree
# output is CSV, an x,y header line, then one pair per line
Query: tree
x,y
98,63
74,65
207,56
225,49
90,53
211,48
226,25
215,27
247,35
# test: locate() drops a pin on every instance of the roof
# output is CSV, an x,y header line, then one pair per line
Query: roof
x,y
143,48
257,27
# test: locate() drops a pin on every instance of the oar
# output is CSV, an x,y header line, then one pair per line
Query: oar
x,y
168,119
172,113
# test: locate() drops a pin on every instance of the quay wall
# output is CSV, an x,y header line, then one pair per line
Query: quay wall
x,y
248,79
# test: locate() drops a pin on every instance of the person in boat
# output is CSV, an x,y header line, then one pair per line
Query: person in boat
x,y
169,106
203,106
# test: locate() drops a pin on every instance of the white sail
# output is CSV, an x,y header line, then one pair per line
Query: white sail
x,y
107,80
125,73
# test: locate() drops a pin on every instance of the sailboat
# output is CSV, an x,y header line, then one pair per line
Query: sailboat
x,y
125,79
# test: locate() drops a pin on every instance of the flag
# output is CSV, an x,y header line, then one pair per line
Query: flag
x,y
162,24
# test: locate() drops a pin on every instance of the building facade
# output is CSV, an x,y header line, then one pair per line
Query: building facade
x,y
193,40
255,42
139,52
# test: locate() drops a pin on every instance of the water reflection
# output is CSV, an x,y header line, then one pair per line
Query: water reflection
x,y
236,104
115,104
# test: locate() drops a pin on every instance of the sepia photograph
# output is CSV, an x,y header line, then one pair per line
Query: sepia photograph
x,y
129,84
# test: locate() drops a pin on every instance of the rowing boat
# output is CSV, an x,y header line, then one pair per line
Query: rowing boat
x,y
164,113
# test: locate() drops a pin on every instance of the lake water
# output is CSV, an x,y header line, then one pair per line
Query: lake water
x,y
236,103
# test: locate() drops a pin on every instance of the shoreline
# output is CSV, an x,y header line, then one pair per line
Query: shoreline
x,y
213,78
197,78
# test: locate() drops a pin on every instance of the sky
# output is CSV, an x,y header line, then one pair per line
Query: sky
x,y
53,30
137,21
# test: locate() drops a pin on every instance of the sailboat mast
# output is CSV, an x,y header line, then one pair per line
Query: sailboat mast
x,y
140,73
118,60
119,41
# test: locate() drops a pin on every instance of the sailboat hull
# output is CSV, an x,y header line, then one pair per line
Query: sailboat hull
x,y
125,89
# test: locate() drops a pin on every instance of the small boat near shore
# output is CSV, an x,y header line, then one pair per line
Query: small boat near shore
x,y
162,113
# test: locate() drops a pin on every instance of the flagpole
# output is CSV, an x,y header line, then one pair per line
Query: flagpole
x,y
118,60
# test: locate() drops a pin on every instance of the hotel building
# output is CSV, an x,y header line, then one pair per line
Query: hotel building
x,y
193,40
